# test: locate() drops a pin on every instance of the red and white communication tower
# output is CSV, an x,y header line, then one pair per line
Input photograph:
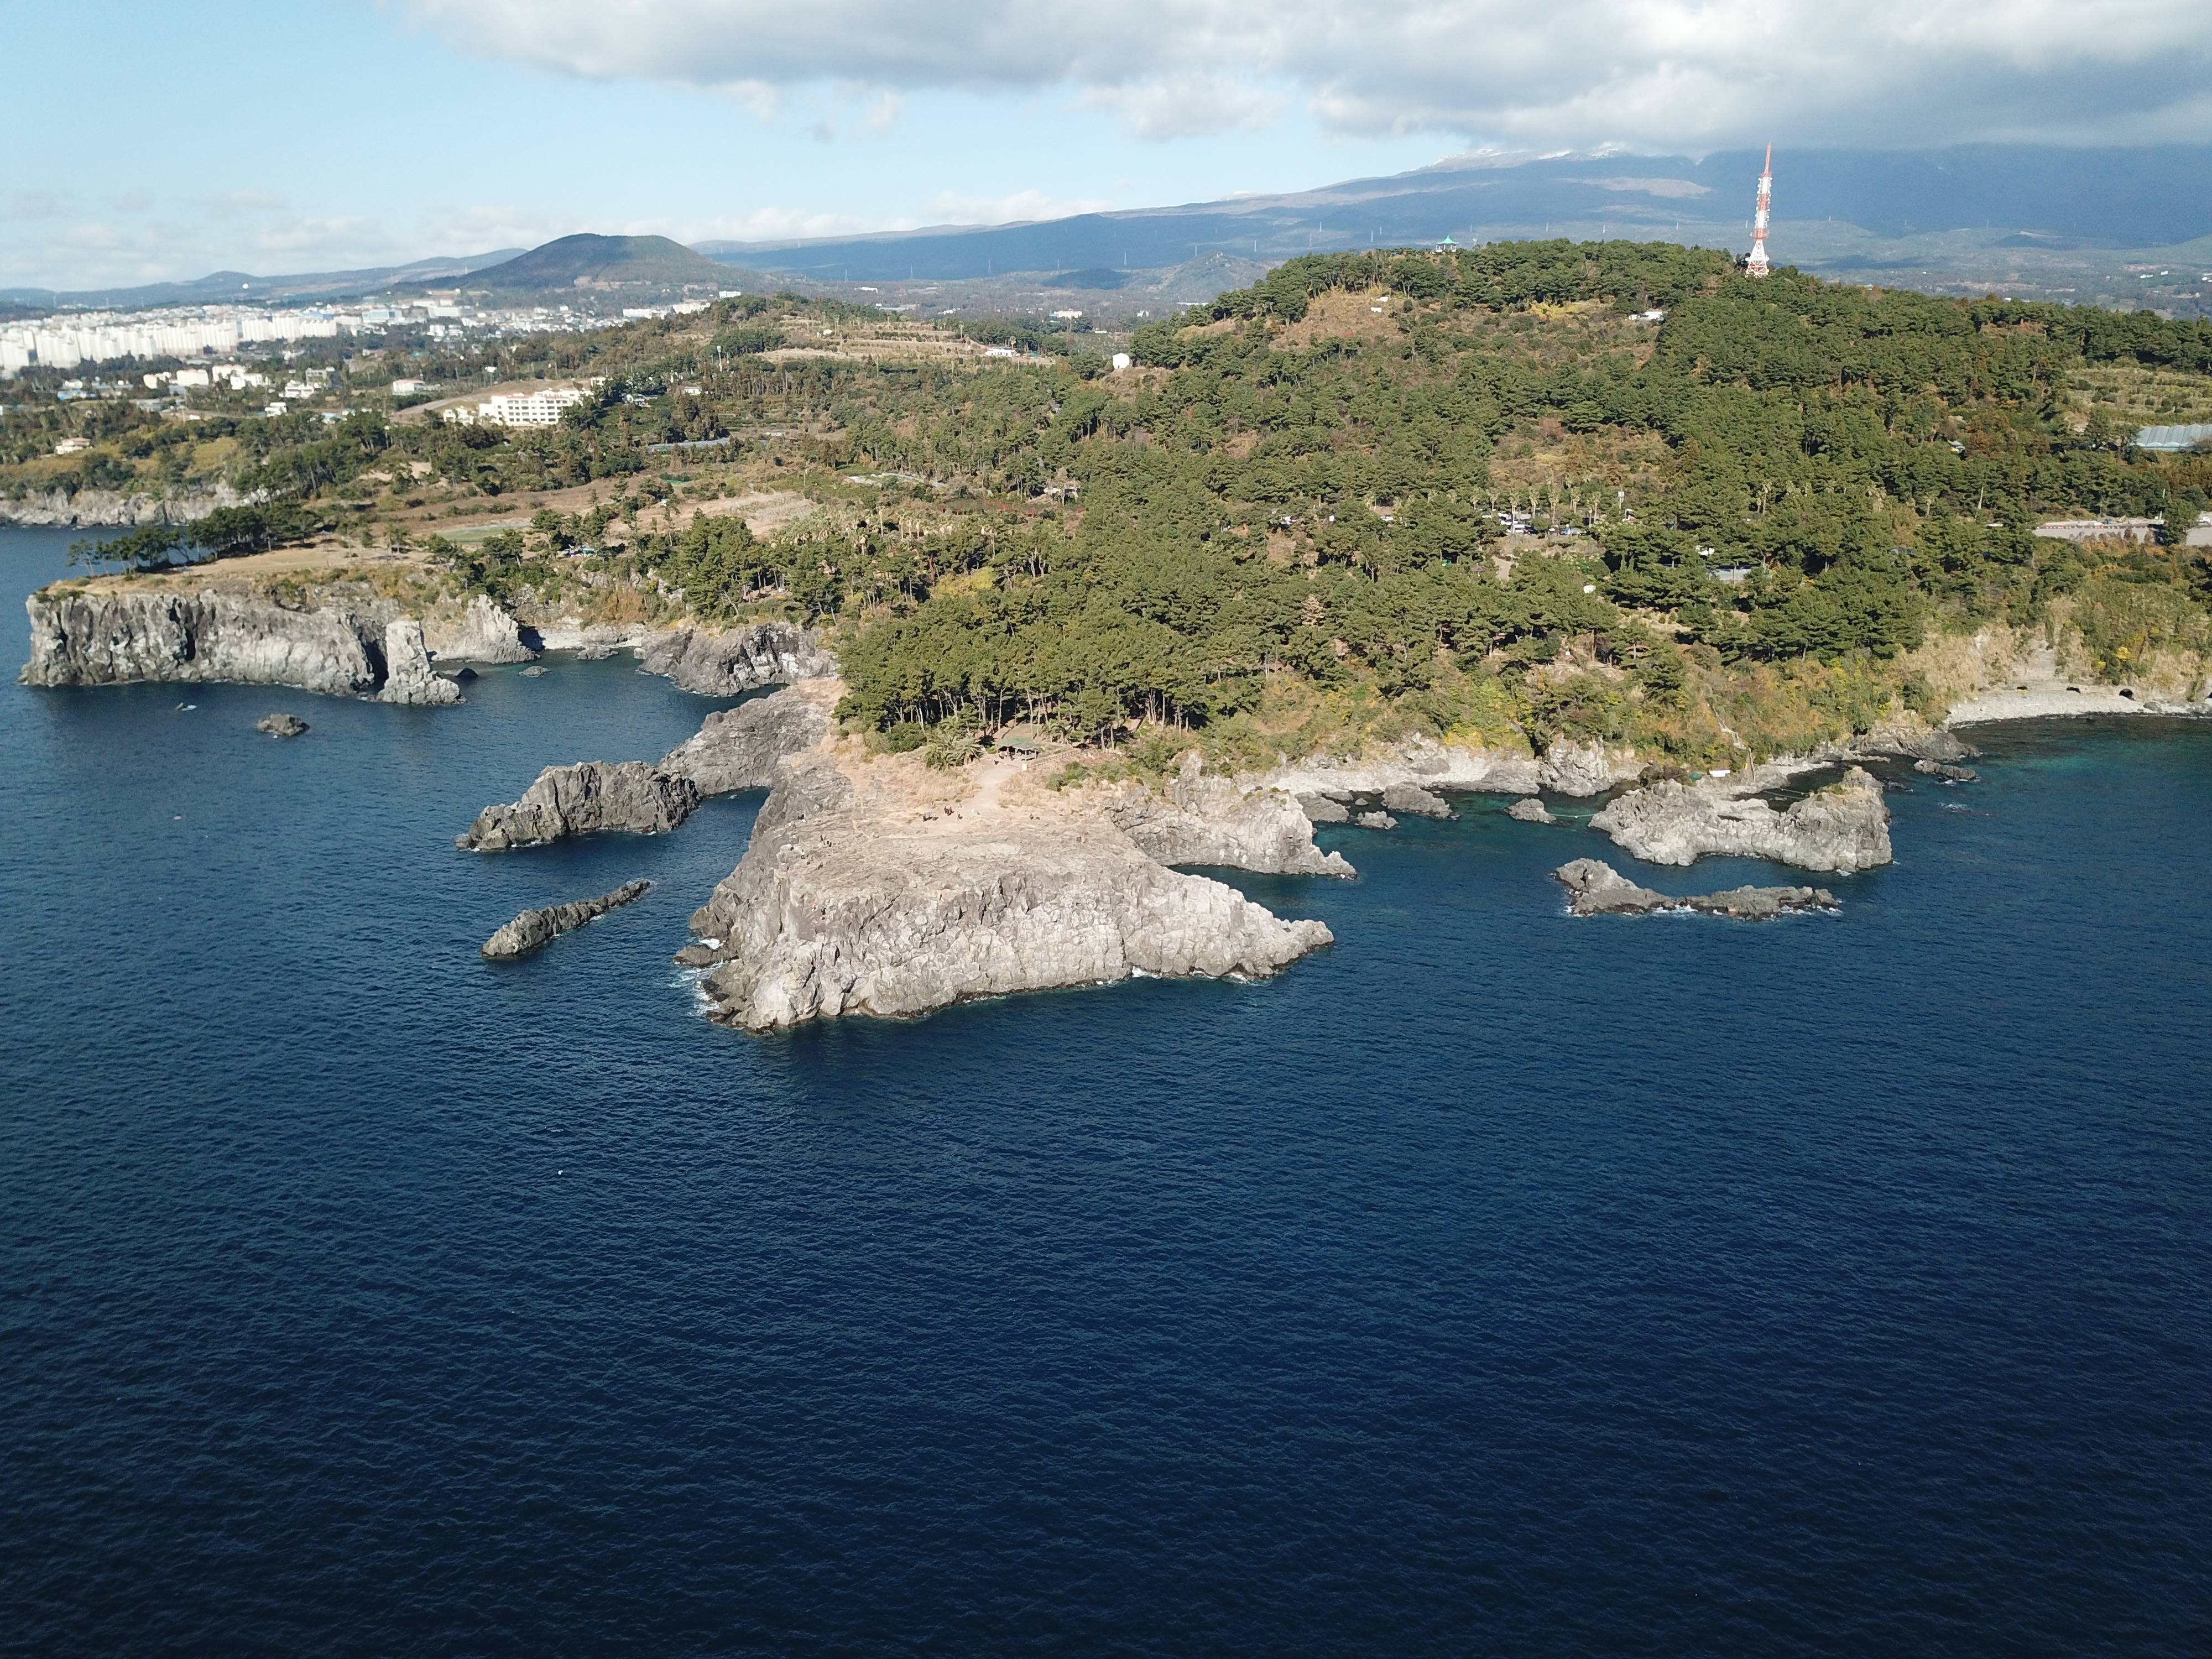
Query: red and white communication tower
x,y
1756,265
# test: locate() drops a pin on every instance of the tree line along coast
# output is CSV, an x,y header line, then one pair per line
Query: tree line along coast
x,y
1528,516
1474,490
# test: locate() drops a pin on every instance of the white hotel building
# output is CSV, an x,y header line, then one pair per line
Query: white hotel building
x,y
543,408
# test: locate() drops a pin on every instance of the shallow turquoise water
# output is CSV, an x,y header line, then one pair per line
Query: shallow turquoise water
x,y
1491,1282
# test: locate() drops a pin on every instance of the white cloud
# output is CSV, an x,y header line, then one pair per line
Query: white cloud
x,y
1184,107
1671,74
1022,207
883,114
771,224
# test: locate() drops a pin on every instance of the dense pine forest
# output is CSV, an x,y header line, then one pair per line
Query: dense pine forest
x,y
1615,491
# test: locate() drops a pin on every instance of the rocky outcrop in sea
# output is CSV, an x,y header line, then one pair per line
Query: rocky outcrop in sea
x,y
1913,743
841,905
281,726
1415,802
407,676
533,930
584,799
728,665
1529,810
480,632
1844,828
738,748
1211,821
1596,889
1947,773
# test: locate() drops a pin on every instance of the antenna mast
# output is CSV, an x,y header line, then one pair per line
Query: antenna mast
x,y
1756,265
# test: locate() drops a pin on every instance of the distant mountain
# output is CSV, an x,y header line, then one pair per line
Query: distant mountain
x,y
603,263
2154,196
238,285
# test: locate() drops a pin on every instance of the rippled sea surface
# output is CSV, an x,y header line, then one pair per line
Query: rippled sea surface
x,y
1491,1283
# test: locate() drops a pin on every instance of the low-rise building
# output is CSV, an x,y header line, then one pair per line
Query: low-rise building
x,y
519,408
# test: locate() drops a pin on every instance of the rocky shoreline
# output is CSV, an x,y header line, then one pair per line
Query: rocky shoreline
x,y
1422,763
84,634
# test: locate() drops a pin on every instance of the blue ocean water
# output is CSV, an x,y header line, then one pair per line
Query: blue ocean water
x,y
1491,1283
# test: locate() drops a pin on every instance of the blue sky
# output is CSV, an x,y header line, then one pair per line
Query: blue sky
x,y
242,136
146,140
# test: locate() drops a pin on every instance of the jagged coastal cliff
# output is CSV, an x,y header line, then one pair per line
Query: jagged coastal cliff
x,y
113,634
111,638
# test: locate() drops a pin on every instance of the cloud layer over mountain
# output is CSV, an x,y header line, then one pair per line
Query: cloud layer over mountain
x,y
1670,74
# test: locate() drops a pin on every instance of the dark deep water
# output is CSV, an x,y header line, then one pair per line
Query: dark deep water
x,y
1491,1283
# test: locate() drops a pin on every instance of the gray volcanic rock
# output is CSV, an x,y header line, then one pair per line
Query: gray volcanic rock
x,y
481,633
1412,798
1376,820
1580,770
1566,768
726,665
408,679
114,507
1595,888
281,726
581,800
533,930
1320,809
835,912
1916,743
738,748
1530,811
1935,769
1844,827
1211,821
117,636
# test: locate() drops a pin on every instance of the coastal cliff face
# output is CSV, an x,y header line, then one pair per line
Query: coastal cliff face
x,y
1844,827
728,664
115,636
845,904
1210,821
581,800
738,748
111,638
88,507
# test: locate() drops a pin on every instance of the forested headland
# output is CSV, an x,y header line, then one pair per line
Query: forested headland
x,y
1613,491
